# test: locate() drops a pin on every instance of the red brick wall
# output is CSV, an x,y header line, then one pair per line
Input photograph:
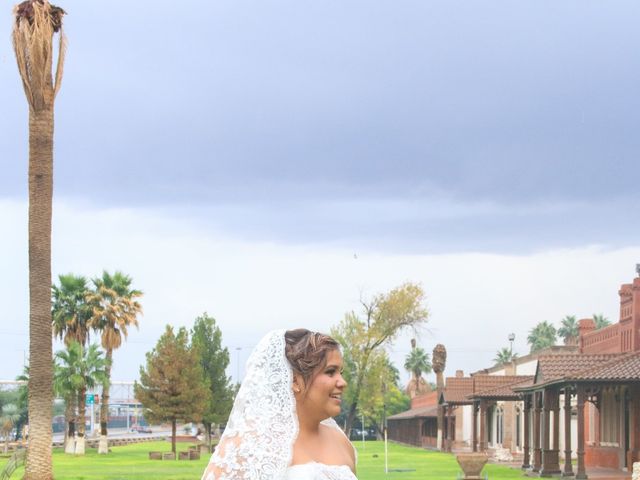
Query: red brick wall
x,y
601,456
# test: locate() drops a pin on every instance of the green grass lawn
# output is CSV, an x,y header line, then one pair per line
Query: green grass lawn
x,y
424,463
131,462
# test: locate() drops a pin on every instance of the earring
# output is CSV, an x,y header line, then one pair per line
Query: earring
x,y
296,389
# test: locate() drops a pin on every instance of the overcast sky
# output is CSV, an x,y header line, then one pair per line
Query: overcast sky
x,y
233,156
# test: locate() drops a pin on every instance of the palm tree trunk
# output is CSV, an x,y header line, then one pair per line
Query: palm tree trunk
x,y
103,446
39,450
81,422
70,417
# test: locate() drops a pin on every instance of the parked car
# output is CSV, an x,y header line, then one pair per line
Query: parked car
x,y
140,429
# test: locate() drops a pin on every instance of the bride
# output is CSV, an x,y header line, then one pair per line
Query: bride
x,y
280,427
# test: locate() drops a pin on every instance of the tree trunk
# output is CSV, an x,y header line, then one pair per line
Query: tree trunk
x,y
173,435
103,445
70,416
207,429
81,422
351,416
40,385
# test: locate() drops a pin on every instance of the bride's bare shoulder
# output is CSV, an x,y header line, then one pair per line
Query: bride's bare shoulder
x,y
339,438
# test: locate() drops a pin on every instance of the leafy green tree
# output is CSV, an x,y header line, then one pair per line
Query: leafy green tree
x,y
542,336
172,386
383,318
381,395
84,369
35,26
601,321
568,330
504,355
206,338
115,309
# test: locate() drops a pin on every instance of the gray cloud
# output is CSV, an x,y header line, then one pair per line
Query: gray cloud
x,y
306,117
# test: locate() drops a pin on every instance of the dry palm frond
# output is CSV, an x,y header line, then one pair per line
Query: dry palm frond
x,y
36,22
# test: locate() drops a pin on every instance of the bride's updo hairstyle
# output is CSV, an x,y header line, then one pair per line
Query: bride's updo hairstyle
x,y
307,351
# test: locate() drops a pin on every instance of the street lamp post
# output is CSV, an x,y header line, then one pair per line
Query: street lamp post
x,y
512,337
238,364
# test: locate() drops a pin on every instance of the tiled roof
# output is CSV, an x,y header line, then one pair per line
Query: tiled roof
x,y
621,367
554,367
419,412
488,382
505,391
461,391
458,389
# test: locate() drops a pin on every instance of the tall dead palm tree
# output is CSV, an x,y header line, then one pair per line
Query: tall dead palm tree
x,y
36,22
115,309
438,364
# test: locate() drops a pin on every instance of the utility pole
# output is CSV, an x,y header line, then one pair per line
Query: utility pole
x,y
238,349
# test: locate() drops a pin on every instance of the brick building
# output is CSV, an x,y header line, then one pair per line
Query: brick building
x,y
580,402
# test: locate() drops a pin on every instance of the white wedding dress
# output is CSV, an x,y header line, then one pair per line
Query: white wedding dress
x,y
321,471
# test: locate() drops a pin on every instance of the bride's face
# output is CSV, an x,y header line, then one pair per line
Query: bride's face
x,y
323,396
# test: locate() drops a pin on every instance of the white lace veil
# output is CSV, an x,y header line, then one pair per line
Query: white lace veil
x,y
257,443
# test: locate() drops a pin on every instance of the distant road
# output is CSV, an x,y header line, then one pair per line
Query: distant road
x,y
121,433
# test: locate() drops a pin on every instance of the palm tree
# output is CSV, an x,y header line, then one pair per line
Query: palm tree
x,y
65,387
542,336
70,314
601,321
439,362
417,362
9,416
36,22
115,309
568,329
504,355
70,311
84,368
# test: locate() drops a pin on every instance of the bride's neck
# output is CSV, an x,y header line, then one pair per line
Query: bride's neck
x,y
308,425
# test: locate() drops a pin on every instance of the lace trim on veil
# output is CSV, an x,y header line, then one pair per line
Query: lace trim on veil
x,y
257,443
